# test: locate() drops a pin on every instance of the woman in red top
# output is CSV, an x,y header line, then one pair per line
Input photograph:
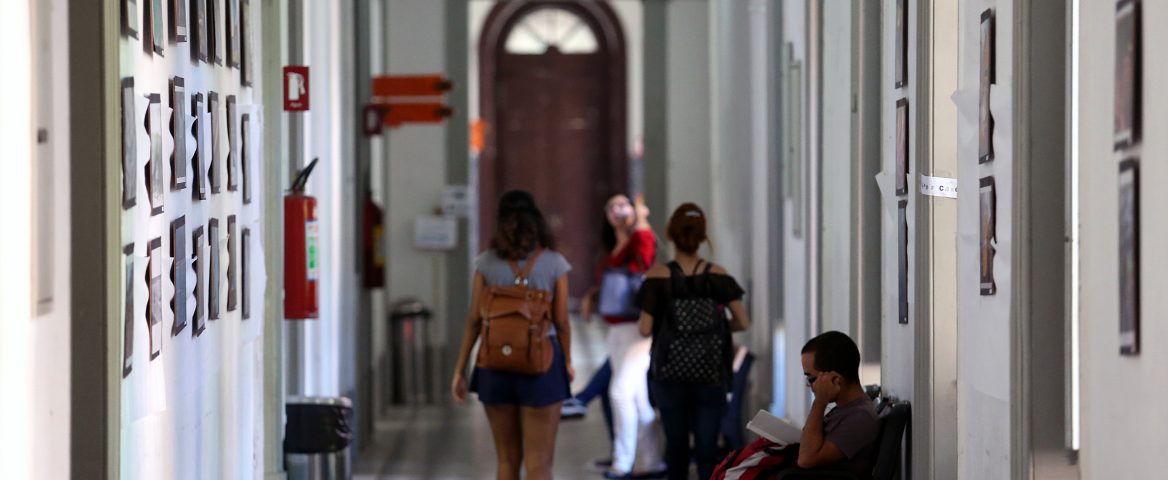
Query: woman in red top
x,y
633,250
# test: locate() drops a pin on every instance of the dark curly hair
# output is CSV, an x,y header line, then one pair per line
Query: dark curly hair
x,y
520,227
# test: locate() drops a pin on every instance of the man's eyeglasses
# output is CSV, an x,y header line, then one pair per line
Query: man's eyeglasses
x,y
810,378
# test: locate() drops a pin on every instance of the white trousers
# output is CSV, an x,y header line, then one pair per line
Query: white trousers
x,y
636,445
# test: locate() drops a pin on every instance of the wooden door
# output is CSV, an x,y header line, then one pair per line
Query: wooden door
x,y
550,141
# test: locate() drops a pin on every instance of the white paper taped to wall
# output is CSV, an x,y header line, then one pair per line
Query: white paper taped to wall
x,y
938,186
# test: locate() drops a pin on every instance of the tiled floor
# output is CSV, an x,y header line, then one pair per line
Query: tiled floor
x,y
448,442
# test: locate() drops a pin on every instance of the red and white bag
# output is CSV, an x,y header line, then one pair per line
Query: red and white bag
x,y
759,459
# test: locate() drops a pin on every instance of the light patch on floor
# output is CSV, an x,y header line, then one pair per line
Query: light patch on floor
x,y
444,442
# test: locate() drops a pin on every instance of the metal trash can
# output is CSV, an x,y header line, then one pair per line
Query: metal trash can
x,y
317,438
409,325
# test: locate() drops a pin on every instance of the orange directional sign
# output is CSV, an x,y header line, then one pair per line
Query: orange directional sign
x,y
411,85
400,113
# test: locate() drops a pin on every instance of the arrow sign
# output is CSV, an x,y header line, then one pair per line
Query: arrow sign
x,y
411,85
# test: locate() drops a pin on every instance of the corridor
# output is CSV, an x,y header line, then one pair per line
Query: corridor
x,y
272,239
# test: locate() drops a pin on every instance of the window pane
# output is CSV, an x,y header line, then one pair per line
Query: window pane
x,y
551,27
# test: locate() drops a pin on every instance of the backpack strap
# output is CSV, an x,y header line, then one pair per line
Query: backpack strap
x,y
521,277
676,279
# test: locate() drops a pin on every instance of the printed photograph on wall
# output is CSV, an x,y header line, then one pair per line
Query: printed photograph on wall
x,y
130,18
902,259
178,131
129,145
232,18
199,39
178,20
1129,257
199,159
213,269
232,145
244,280
245,66
198,266
985,118
154,170
902,146
901,52
987,200
216,168
178,273
232,265
214,41
153,17
245,156
128,310
1128,73
154,310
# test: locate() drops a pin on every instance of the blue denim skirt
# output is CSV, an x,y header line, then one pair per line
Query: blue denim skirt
x,y
496,387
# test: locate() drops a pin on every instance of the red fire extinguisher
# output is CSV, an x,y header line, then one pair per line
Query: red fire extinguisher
x,y
374,232
301,250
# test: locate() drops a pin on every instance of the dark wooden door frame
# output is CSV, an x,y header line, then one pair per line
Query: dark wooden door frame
x,y
603,21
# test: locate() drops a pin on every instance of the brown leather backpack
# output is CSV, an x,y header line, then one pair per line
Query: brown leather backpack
x,y
515,324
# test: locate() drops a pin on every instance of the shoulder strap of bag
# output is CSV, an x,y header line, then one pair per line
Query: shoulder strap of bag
x,y
521,277
698,266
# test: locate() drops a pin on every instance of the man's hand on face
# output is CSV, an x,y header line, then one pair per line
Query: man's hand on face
x,y
827,387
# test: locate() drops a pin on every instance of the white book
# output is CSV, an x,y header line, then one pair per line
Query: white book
x,y
774,428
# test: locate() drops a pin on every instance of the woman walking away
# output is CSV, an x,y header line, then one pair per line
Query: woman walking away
x,y
683,306
524,365
632,248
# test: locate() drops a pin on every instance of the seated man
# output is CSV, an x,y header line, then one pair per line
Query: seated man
x,y
845,438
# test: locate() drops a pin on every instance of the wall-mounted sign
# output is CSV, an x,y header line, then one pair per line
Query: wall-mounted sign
x,y
433,232
456,200
296,88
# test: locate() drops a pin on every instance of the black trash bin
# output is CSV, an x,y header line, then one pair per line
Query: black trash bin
x,y
317,438
409,326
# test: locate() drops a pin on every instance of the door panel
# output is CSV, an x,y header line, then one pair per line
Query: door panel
x,y
552,142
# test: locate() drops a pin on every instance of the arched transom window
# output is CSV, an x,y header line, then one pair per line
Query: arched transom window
x,y
548,28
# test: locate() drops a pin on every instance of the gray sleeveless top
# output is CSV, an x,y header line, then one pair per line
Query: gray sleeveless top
x,y
548,268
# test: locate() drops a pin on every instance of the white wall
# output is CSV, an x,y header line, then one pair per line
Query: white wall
x,y
730,166
36,338
898,354
688,93
416,163
1123,434
984,337
796,321
196,410
836,254
50,410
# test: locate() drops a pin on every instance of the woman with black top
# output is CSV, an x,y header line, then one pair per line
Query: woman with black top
x,y
683,307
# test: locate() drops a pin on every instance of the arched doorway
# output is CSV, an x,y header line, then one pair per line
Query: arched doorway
x,y
553,83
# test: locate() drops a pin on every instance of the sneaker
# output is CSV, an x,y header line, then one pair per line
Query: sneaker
x,y
573,409
615,475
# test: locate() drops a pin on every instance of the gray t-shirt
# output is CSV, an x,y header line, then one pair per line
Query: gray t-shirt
x,y
853,427
548,268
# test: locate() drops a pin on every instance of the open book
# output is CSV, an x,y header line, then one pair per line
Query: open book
x,y
774,428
